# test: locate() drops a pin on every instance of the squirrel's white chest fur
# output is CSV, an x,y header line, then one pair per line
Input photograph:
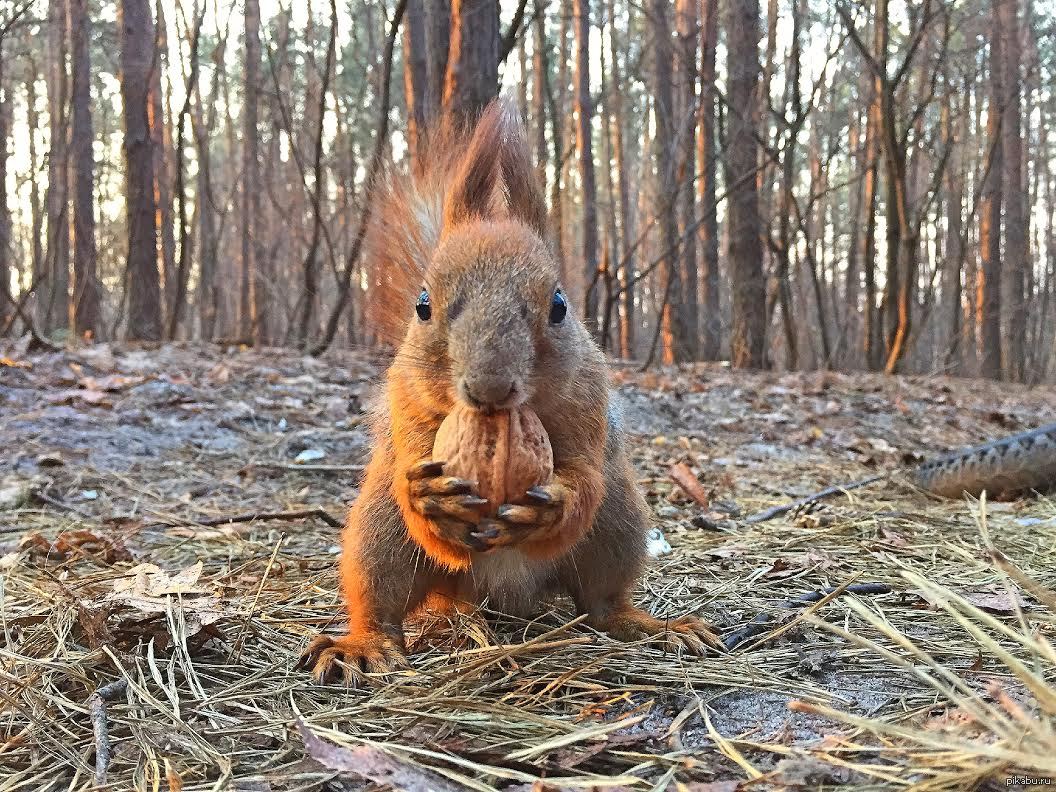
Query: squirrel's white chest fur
x,y
510,582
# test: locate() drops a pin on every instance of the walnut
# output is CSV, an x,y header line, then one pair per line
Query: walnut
x,y
506,453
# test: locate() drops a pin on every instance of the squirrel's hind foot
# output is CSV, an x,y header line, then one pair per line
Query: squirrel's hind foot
x,y
349,658
687,633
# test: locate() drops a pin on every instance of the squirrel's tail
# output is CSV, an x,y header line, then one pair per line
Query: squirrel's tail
x,y
462,175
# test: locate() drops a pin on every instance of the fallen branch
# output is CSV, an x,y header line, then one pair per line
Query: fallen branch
x,y
309,467
100,725
295,514
777,511
764,621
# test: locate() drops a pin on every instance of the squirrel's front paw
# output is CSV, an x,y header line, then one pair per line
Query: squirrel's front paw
x,y
333,659
540,511
451,503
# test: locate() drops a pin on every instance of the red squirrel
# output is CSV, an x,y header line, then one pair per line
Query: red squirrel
x,y
467,285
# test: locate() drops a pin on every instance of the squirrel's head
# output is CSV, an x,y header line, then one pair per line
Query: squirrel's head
x,y
491,323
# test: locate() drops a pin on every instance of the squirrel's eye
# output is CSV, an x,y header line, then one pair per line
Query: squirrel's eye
x,y
558,308
423,308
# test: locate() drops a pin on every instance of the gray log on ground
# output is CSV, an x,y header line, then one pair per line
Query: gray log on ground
x,y
1004,467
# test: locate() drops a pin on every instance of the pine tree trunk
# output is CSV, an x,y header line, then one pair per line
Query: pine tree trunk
x,y
137,58
85,281
438,42
162,136
251,323
748,332
55,306
472,78
585,149
6,306
626,226
954,254
540,75
36,210
711,340
673,331
989,284
415,74
686,26
1017,263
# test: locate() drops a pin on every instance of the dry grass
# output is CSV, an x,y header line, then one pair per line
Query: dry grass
x,y
948,683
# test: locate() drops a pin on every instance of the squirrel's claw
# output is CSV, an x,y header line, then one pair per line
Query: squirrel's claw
x,y
539,511
451,503
348,658
427,468
441,485
463,508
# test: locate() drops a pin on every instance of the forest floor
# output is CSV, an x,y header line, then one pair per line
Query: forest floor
x,y
153,567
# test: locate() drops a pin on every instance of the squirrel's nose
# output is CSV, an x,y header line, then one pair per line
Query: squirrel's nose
x,y
488,391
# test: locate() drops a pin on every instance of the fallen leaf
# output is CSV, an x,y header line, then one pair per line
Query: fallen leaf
x,y
684,477
309,455
93,398
373,764
80,542
727,551
1002,603
112,383
14,492
710,786
806,771
148,580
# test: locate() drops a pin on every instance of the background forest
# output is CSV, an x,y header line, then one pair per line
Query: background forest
x,y
797,184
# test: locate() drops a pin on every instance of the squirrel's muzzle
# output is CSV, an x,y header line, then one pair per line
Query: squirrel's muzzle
x,y
490,391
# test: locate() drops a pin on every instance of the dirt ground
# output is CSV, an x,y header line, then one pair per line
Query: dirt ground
x,y
168,547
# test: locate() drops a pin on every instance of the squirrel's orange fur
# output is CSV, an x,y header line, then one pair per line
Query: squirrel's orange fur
x,y
469,228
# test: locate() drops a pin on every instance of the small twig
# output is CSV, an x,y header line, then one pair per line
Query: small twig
x,y
237,652
43,497
764,622
100,725
777,511
310,468
295,514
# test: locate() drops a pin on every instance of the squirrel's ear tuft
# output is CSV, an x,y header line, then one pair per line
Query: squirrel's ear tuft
x,y
472,190
520,180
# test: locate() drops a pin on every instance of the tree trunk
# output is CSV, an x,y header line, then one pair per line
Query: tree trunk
x,y
989,280
251,323
6,297
540,66
438,42
35,209
954,254
137,58
85,282
626,255
673,330
415,74
1017,252
472,78
162,148
711,340
585,149
686,25
55,313
748,331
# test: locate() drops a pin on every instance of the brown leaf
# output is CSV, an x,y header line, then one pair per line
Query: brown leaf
x,y
112,383
73,396
373,764
683,477
1002,602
